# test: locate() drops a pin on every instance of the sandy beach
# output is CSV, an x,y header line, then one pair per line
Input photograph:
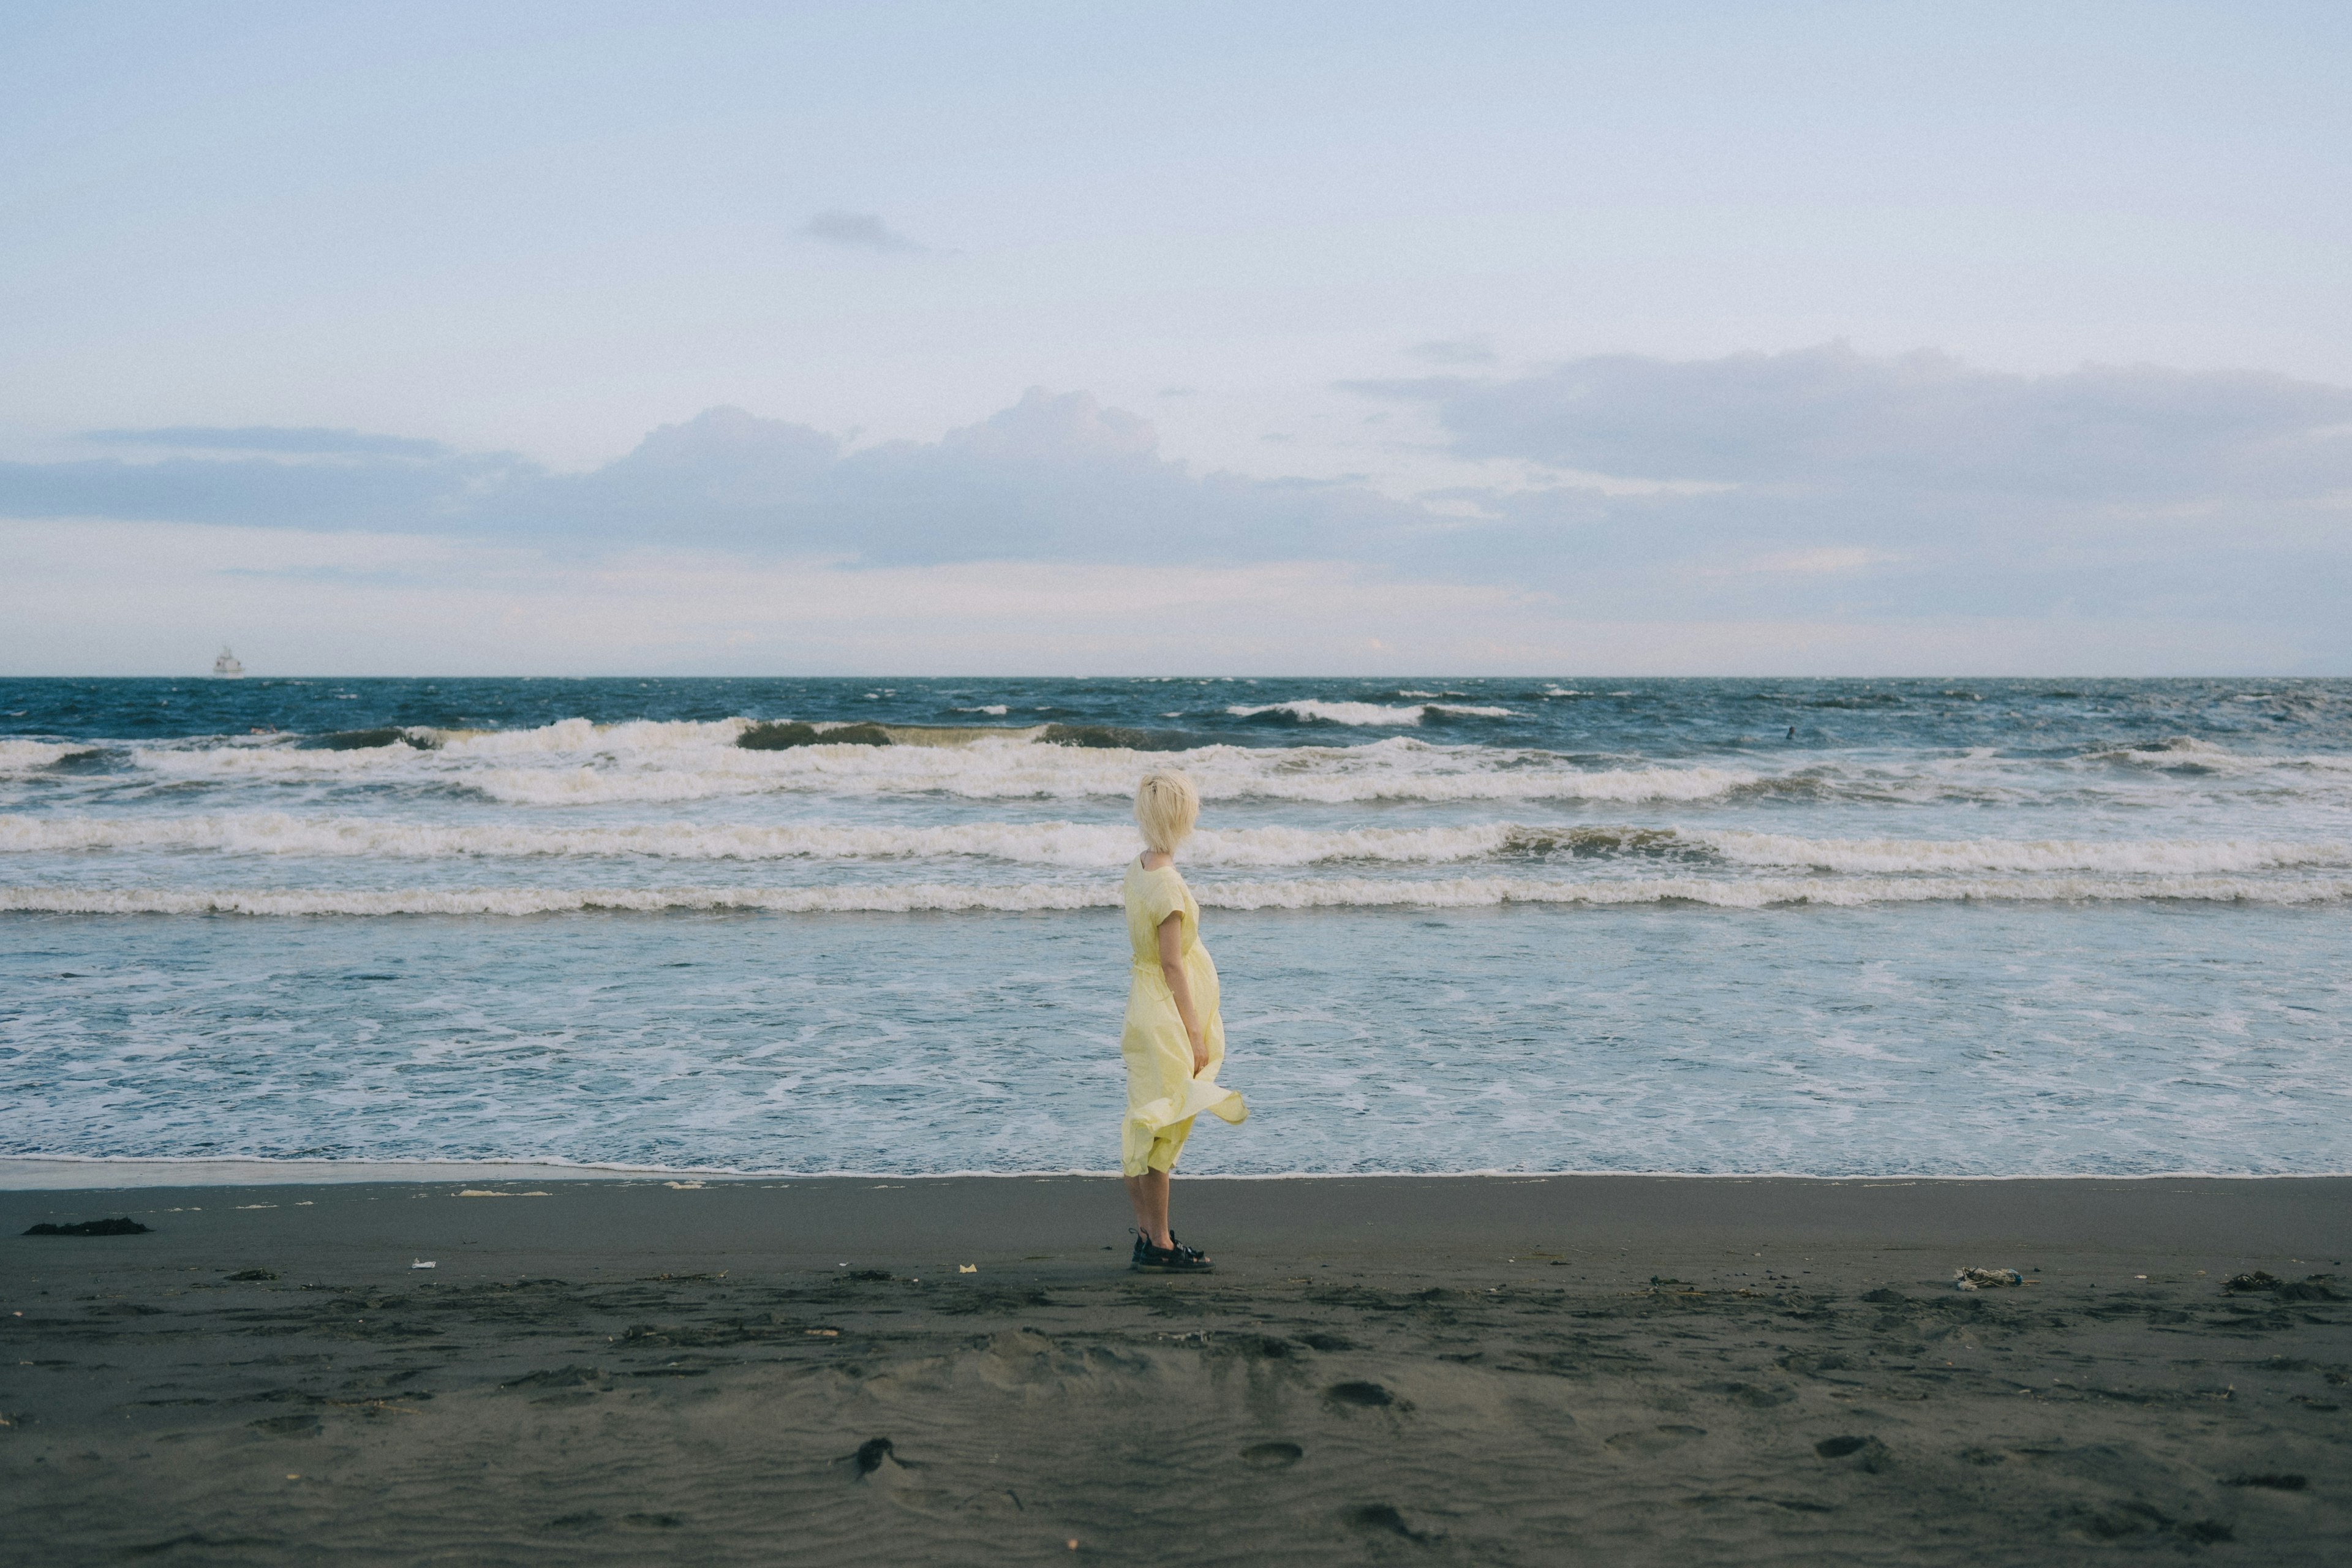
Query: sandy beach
x,y
1442,1370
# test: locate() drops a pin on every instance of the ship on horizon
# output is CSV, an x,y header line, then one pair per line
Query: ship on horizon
x,y
226,666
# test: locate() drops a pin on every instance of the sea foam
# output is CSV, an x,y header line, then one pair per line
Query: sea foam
x,y
17,757
1468,892
1082,846
1371,715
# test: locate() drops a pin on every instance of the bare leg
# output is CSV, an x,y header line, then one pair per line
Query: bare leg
x,y
1149,1194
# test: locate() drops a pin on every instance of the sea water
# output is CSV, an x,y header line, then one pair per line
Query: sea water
x,y
1829,926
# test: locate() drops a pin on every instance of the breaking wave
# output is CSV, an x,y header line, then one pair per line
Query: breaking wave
x,y
1372,715
1469,892
2120,856
1320,776
1085,846
575,763
1102,846
30,756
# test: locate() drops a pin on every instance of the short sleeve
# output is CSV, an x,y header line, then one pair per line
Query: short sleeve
x,y
1163,895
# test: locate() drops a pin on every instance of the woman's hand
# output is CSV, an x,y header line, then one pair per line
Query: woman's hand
x,y
1179,987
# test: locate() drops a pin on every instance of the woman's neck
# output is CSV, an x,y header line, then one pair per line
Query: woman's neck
x,y
1153,860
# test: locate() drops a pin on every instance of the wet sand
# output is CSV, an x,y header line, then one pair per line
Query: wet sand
x,y
1624,1370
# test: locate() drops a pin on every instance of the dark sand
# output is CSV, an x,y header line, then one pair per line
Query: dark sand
x,y
1382,1370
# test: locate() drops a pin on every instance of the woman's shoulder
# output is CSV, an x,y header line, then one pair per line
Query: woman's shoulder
x,y
1141,876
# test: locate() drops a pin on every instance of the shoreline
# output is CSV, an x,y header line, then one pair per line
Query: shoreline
x,y
44,1173
784,1220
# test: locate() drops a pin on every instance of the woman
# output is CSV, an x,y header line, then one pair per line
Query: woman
x,y
1174,1041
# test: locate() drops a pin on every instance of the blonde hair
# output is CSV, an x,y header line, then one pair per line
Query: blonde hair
x,y
1166,807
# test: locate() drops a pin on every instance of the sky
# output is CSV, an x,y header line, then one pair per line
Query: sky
x,y
1061,339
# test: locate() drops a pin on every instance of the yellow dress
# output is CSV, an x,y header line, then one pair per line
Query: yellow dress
x,y
1163,1093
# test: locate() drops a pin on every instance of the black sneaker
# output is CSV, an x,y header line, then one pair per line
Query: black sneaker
x,y
1176,1259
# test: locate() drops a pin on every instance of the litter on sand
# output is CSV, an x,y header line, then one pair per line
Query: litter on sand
x,y
967,1268
1985,1279
126,1226
420,1263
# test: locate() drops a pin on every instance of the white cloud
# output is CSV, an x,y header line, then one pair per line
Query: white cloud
x,y
1817,490
1924,422
858,231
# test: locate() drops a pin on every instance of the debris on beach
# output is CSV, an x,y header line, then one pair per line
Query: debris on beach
x,y
2315,1289
421,1263
124,1227
967,1268
1985,1279
251,1275
878,1460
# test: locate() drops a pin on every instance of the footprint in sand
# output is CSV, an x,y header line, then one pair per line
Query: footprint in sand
x,y
1363,1395
1867,1453
651,1521
1754,1395
1653,1440
1380,1518
1272,1456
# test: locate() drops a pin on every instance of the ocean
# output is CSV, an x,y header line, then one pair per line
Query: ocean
x,y
1882,928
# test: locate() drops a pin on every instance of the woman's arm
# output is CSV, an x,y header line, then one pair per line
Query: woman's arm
x,y
1171,965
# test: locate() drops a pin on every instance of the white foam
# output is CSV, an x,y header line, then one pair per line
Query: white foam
x,y
575,763
1099,846
577,735
30,756
2187,751
2156,857
240,760
1095,844
902,898
1469,892
1371,714
1015,768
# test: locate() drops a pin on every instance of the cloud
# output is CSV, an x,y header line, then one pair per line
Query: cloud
x,y
1831,418
1051,477
1816,488
1823,481
309,440
365,492
858,231
1453,351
